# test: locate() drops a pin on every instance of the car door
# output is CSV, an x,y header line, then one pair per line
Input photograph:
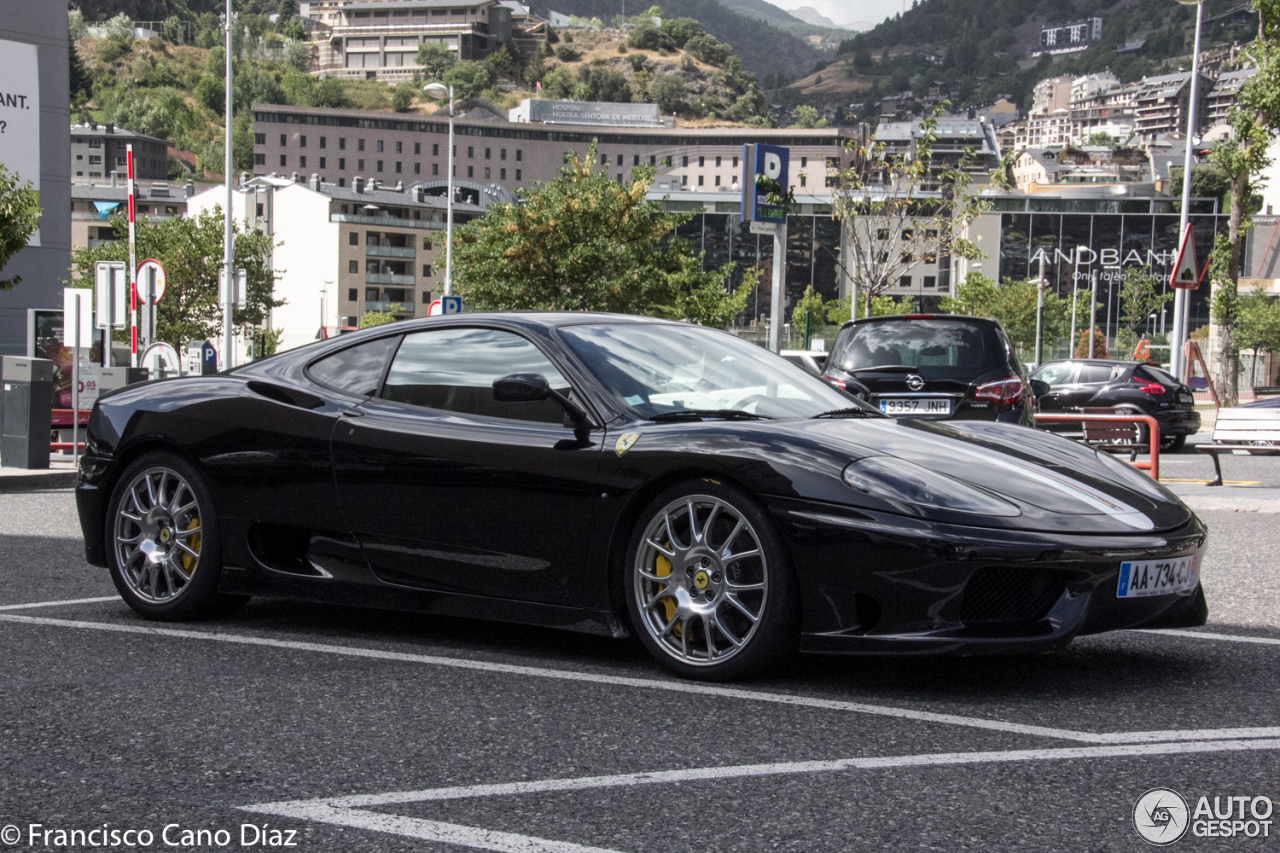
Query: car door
x,y
449,490
1087,389
1059,377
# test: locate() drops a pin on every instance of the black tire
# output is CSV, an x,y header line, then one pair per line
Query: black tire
x,y
167,506
710,622
1173,443
1143,440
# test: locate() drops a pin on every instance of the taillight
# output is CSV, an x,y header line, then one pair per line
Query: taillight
x,y
839,383
1148,387
1004,393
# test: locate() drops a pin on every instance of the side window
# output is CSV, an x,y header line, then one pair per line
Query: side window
x,y
1095,374
356,369
1056,374
453,370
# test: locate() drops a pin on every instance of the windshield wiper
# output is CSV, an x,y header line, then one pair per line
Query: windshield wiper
x,y
721,414
855,412
885,368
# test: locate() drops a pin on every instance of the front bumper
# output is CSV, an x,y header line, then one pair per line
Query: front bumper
x,y
884,584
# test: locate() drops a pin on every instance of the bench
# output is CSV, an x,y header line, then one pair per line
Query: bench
x,y
1245,431
1111,435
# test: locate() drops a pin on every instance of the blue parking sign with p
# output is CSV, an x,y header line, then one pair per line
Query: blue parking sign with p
x,y
451,304
768,161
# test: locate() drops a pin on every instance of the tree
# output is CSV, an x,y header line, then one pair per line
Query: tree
x,y
211,93
76,27
402,97
380,318
468,79
1015,303
807,116
190,249
1081,347
1140,297
668,91
1259,327
584,242
898,209
435,60
297,55
19,218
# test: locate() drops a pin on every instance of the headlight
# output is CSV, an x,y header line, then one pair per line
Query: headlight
x,y
908,483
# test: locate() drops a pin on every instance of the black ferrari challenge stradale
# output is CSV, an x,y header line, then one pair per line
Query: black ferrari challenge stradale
x,y
616,474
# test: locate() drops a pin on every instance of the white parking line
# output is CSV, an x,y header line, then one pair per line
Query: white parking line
x,y
59,603
654,684
347,811
1206,635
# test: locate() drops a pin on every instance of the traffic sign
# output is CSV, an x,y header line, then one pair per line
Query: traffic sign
x,y
435,309
451,304
241,294
161,359
144,270
110,287
1186,275
770,162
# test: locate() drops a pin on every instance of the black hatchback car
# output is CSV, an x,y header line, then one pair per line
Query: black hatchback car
x,y
1126,386
937,366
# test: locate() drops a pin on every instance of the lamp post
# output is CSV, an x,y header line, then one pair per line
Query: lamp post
x,y
439,91
1182,298
228,235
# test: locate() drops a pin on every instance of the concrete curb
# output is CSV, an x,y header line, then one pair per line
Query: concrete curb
x,y
1206,503
31,480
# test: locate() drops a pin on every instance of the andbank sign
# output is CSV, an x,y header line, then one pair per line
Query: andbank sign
x,y
1113,261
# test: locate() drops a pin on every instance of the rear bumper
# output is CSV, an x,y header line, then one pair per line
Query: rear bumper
x,y
894,585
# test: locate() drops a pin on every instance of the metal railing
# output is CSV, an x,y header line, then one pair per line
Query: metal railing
x,y
1153,433
389,252
402,307
387,221
387,278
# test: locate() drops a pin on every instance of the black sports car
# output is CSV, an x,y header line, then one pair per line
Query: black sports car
x,y
611,474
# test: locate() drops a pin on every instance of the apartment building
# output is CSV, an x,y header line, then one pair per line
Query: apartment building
x,y
1224,95
97,150
94,205
343,251
1160,105
493,159
1050,95
1073,34
379,39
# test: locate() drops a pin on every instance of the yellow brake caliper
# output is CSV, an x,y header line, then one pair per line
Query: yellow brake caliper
x,y
188,561
662,567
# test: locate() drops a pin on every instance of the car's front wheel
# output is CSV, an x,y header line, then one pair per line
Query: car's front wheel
x,y
164,541
708,585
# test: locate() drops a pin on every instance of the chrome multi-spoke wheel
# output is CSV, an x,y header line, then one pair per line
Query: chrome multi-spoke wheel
x,y
164,540
158,535
701,579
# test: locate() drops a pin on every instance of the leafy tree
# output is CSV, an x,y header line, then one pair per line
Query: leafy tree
x,y
972,296
1140,297
380,318
1015,303
120,30
708,49
468,79
568,53
807,116
173,29
892,220
297,54
1206,182
583,242
435,60
1081,349
645,35
162,112
81,83
1259,327
19,218
680,30
402,97
191,251
603,84
668,92
211,94
559,83
76,27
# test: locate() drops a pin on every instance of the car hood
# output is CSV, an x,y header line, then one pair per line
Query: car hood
x,y
1059,485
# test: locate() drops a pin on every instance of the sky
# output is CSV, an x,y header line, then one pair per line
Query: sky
x,y
848,11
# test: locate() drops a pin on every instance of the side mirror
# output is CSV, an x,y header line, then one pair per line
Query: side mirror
x,y
1039,388
521,388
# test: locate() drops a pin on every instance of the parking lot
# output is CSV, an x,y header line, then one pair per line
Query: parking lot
x,y
322,728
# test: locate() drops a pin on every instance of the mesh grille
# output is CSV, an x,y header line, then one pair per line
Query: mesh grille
x,y
1010,594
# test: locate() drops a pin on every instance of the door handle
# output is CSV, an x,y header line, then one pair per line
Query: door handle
x,y
353,413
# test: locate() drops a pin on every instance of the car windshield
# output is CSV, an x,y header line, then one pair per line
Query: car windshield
x,y
937,348
653,369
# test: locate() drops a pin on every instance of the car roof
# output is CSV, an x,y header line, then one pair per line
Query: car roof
x,y
896,318
1105,361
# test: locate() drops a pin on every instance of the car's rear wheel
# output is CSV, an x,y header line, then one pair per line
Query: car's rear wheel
x,y
1173,443
164,541
709,587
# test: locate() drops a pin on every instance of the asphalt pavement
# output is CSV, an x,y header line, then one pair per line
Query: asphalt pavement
x,y
321,728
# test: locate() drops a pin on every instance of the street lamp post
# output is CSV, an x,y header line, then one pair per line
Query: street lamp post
x,y
440,91
1182,298
228,235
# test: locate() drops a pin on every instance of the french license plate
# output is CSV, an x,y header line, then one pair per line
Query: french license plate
x,y
1157,577
916,406
1186,398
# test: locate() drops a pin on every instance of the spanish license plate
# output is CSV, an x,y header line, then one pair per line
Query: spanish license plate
x,y
1157,577
916,406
